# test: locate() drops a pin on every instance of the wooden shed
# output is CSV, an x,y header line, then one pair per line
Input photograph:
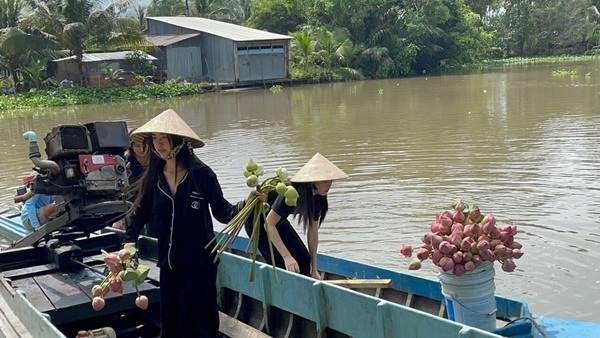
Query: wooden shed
x,y
94,66
222,52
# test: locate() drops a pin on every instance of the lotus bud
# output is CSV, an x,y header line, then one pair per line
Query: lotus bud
x,y
468,230
474,214
282,174
426,238
291,202
436,255
457,257
489,218
501,249
517,253
487,228
509,241
436,240
465,245
96,290
115,269
515,245
477,260
488,255
415,264
459,269
422,254
281,188
446,230
291,193
260,170
509,265
511,230
445,247
116,285
142,302
252,181
111,260
444,214
124,254
435,227
483,245
251,166
446,222
484,238
495,233
458,216
494,243
467,257
247,173
453,249
446,238
459,205
469,266
98,303
446,263
456,239
456,227
406,250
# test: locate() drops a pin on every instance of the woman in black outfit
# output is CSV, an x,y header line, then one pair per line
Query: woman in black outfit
x,y
173,196
312,182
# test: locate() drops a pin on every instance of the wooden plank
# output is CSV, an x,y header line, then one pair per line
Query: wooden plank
x,y
34,294
362,283
234,328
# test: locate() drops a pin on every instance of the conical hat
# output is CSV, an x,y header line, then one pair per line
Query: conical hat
x,y
318,169
168,122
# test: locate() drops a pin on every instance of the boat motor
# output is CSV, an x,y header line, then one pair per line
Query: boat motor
x,y
86,172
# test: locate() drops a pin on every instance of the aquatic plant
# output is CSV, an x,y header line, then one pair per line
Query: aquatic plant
x,y
255,208
462,238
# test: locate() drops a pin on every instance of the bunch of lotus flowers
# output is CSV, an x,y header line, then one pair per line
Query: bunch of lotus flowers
x,y
462,238
122,267
257,209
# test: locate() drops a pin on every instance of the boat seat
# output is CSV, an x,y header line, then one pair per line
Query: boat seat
x,y
232,327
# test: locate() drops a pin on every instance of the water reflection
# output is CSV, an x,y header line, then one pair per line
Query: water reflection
x,y
519,142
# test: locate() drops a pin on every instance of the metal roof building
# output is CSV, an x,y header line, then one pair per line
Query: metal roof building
x,y
199,49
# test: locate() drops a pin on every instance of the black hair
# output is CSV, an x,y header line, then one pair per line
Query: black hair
x,y
185,159
310,206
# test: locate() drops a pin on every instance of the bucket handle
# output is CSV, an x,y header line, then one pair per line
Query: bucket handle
x,y
453,298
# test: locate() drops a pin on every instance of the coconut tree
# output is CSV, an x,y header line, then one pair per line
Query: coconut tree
x,y
11,12
18,49
73,37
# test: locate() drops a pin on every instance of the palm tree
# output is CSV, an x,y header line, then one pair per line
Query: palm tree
x,y
10,12
303,48
73,37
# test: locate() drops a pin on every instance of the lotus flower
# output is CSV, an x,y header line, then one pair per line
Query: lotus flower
x,y
142,302
461,239
98,303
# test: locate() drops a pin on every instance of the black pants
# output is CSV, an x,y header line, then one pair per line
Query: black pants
x,y
188,300
292,242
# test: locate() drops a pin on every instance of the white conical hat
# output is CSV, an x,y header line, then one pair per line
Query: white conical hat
x,y
168,122
318,169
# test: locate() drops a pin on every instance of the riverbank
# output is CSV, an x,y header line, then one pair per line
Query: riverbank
x,y
10,104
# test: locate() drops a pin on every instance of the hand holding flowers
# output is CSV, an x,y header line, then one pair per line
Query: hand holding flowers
x,y
256,207
462,238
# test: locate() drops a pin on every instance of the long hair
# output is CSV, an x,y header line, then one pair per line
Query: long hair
x,y
147,181
310,206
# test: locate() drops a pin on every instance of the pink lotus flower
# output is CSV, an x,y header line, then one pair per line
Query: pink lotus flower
x,y
406,250
98,303
461,239
422,254
142,302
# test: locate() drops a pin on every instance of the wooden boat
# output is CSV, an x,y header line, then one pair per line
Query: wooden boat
x,y
45,291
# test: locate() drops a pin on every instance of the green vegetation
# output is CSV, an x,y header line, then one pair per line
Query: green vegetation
x,y
94,95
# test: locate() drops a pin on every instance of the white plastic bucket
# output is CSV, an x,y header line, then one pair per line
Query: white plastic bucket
x,y
470,298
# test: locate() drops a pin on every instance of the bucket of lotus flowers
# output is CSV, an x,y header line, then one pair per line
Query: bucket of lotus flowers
x,y
464,245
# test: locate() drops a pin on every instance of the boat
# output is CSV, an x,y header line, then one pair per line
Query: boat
x,y
45,291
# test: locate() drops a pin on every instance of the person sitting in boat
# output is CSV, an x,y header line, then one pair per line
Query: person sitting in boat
x,y
38,208
312,182
173,195
137,157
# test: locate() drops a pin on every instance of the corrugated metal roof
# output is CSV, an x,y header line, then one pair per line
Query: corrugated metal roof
x,y
166,40
104,56
219,28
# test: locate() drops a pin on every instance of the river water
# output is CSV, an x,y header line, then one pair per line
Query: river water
x,y
519,142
